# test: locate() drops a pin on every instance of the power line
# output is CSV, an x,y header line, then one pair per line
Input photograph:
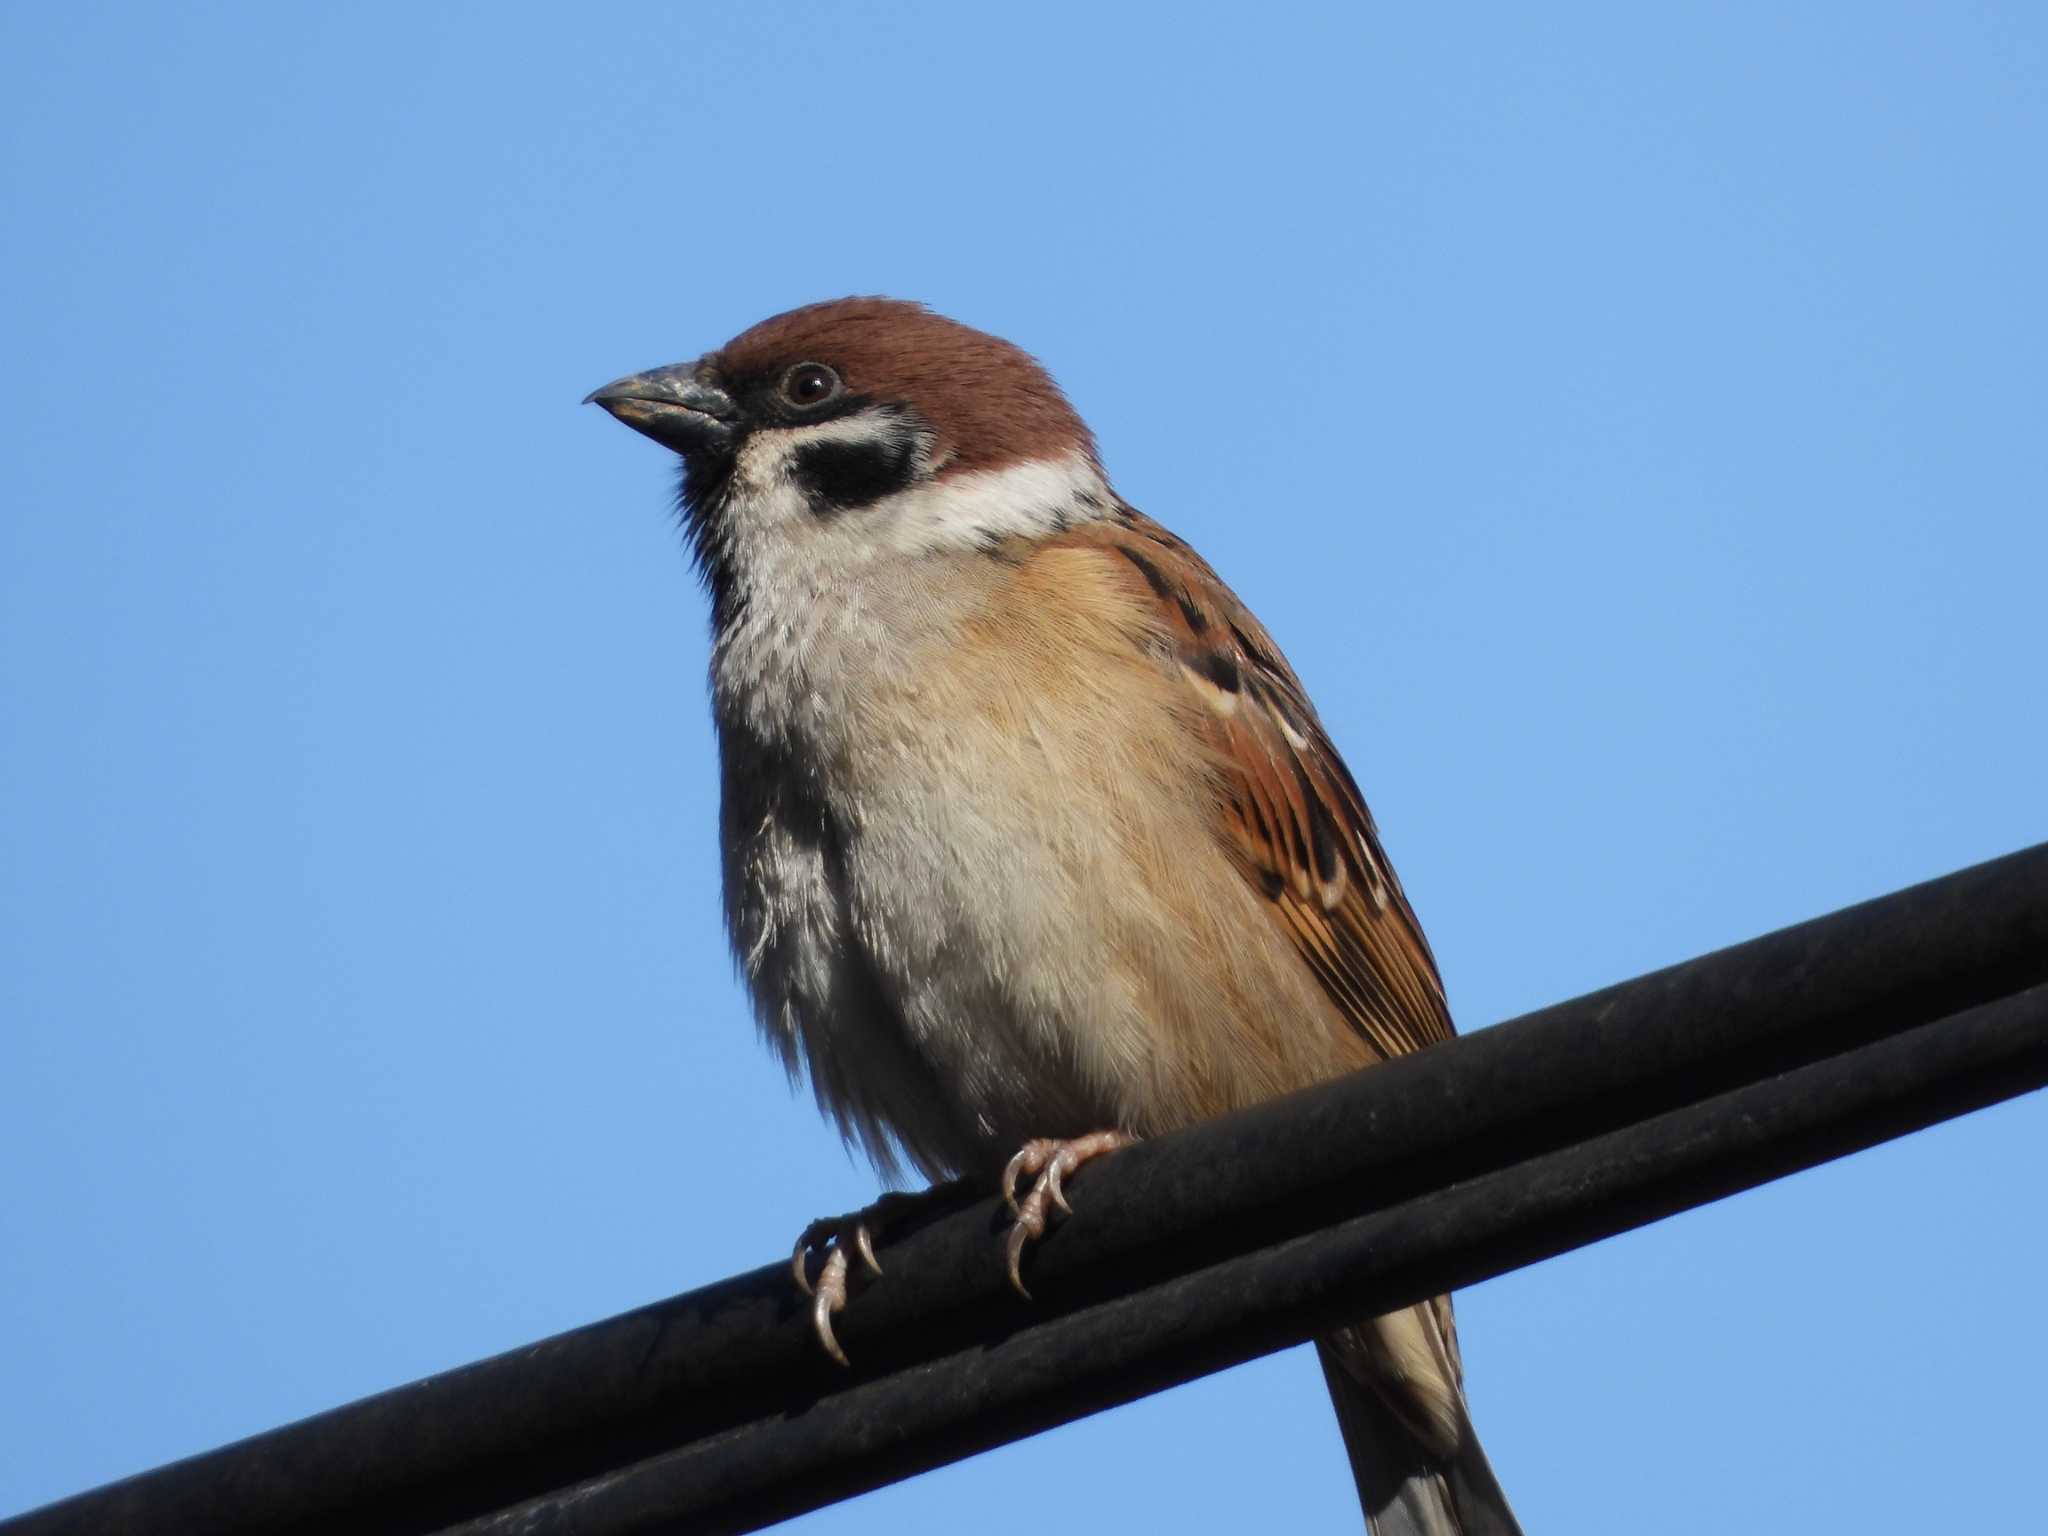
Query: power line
x,y
715,1411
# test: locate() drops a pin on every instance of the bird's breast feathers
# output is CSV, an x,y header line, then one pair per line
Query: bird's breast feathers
x,y
1029,855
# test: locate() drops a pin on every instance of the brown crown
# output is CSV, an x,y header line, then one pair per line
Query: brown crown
x,y
990,403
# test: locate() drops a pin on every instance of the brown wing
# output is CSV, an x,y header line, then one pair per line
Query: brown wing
x,y
1293,818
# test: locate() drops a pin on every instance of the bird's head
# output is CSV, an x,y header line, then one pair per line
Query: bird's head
x,y
861,429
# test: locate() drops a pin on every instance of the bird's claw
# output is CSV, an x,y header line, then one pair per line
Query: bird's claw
x,y
1046,1163
833,1235
830,1297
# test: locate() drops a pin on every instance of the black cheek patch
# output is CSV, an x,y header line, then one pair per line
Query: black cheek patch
x,y
839,476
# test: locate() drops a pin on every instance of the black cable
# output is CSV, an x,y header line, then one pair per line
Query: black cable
x,y
691,1380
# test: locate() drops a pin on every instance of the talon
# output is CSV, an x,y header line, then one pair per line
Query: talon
x,y
1018,1237
1046,1163
804,1242
1012,1169
832,1237
830,1298
1063,1162
1030,1224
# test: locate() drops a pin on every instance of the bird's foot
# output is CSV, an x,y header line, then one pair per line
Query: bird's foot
x,y
1046,1163
832,1236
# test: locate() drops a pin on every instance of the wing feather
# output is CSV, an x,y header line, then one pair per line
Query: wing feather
x,y
1291,815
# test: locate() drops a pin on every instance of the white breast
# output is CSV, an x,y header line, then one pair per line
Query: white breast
x,y
891,903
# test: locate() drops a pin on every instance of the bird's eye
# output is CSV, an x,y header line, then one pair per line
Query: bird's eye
x,y
809,384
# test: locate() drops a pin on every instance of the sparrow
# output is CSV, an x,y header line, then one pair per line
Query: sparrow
x,y
1033,842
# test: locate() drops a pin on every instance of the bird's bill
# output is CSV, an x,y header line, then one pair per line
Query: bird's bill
x,y
675,406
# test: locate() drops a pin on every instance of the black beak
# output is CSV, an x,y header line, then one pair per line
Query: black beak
x,y
677,407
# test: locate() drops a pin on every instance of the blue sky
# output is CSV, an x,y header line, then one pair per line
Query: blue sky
x,y
1628,418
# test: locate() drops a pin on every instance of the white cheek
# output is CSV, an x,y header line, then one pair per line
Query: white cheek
x,y
783,549
1027,500
767,504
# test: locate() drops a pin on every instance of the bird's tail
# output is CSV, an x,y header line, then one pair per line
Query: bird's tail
x,y
1419,1465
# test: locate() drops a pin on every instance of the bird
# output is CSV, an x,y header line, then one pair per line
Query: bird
x,y
1033,841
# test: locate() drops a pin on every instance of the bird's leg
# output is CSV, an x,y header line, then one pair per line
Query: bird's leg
x,y
1046,1163
833,1236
